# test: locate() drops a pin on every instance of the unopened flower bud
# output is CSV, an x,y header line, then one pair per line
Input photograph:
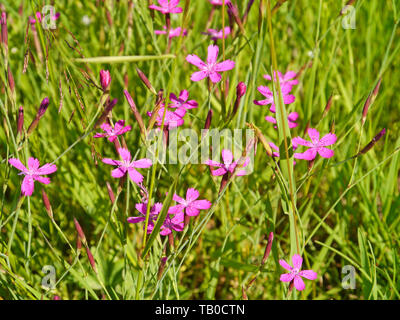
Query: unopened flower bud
x,y
105,79
20,121
146,81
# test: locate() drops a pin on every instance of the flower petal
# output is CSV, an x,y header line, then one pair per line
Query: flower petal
x,y
297,261
286,277
191,194
195,60
142,163
48,168
325,152
327,140
27,186
17,164
212,54
313,134
308,274
135,175
227,156
33,164
224,66
199,75
201,204
309,155
299,283
285,265
215,77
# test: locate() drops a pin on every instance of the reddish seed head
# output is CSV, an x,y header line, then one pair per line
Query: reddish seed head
x,y
105,79
268,248
79,230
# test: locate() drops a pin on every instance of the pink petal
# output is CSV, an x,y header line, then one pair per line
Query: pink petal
x,y
215,77
195,60
301,141
270,119
212,163
308,274
125,154
135,219
119,172
299,283
111,162
201,204
212,54
142,163
287,277
313,134
199,75
17,164
285,265
297,261
219,172
184,95
224,66
288,99
325,152
190,211
141,207
177,198
176,209
43,180
310,154
191,194
106,127
27,186
48,168
327,140
33,164
135,175
227,156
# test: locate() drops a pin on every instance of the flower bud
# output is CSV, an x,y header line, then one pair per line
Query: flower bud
x,y
136,113
105,79
373,142
39,114
208,120
268,248
146,81
47,205
4,32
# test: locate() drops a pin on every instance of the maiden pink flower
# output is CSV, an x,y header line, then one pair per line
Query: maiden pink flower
x,y
292,117
176,223
285,80
172,119
268,94
316,145
227,165
190,205
295,272
167,6
169,224
218,34
128,166
172,33
211,67
182,101
32,173
112,133
142,208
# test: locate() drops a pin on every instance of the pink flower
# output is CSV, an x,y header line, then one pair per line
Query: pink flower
x,y
316,145
32,173
182,102
295,273
172,33
284,80
142,208
105,79
227,165
219,2
126,165
172,119
111,133
292,117
176,223
211,68
167,6
169,224
268,94
191,205
218,34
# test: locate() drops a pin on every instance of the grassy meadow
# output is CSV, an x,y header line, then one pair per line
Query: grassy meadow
x,y
71,239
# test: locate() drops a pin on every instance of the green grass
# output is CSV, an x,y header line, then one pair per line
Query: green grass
x,y
342,211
